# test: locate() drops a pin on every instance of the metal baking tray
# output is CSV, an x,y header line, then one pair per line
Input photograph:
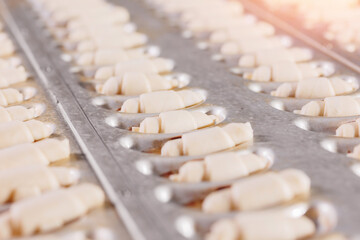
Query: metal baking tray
x,y
151,206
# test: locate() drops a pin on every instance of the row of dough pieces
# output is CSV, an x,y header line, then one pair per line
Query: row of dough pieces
x,y
227,136
112,46
25,153
136,73
340,17
149,102
273,63
236,197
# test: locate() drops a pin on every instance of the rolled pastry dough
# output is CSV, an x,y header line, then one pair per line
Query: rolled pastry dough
x,y
221,167
68,13
156,65
127,41
157,102
209,140
42,152
17,132
271,56
339,106
109,56
262,225
315,88
19,183
259,29
249,45
20,113
285,71
349,129
136,83
7,48
355,153
10,96
49,211
259,191
84,33
11,75
175,121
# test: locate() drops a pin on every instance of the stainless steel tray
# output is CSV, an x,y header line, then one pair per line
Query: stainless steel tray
x,y
151,206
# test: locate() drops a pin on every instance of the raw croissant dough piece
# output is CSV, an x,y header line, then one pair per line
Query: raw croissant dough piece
x,y
11,75
64,15
192,11
340,106
209,24
198,20
7,47
259,29
19,183
75,235
209,140
271,56
349,129
249,45
333,236
221,167
109,56
259,191
125,41
42,152
136,83
355,153
175,121
16,132
156,65
20,113
83,33
100,21
315,88
285,71
49,211
157,102
10,96
262,226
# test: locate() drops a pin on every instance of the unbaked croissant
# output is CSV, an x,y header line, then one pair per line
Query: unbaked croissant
x,y
175,121
285,71
263,225
259,191
339,106
271,56
125,41
17,132
156,65
43,152
20,113
249,45
109,56
10,96
247,30
49,211
209,140
315,88
19,183
135,83
220,167
157,102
